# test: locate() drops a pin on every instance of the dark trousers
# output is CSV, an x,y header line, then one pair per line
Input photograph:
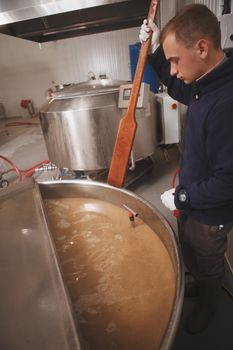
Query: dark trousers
x,y
203,247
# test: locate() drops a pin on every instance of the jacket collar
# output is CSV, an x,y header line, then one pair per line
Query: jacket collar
x,y
219,76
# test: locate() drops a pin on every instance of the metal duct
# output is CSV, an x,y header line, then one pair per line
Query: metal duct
x,y
12,11
48,20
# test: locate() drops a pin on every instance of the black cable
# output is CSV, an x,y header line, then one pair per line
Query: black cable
x,y
226,7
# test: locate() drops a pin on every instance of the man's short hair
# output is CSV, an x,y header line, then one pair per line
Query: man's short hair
x,y
193,22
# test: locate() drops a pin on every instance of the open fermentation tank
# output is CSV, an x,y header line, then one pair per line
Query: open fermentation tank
x,y
125,278
80,125
87,277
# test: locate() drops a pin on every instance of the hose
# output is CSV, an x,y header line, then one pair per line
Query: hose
x,y
31,170
27,173
176,172
21,123
14,167
176,212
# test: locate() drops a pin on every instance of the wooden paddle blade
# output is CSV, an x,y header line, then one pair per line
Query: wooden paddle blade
x,y
121,152
128,125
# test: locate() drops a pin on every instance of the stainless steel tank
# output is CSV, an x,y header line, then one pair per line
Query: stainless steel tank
x,y
80,124
110,313
104,303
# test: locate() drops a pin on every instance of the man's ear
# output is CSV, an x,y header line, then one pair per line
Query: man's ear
x,y
202,48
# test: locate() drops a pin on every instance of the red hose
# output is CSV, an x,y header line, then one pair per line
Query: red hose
x,y
174,176
27,172
31,170
176,212
15,168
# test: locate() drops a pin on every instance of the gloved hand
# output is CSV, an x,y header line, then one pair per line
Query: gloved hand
x,y
167,199
144,34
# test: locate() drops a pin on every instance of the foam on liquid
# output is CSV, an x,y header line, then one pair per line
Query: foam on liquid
x,y
120,278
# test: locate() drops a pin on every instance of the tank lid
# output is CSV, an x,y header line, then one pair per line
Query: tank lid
x,y
91,87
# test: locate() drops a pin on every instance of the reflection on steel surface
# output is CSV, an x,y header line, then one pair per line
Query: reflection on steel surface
x,y
35,309
14,11
80,125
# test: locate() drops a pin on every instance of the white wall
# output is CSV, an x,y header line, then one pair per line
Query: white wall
x,y
27,71
214,5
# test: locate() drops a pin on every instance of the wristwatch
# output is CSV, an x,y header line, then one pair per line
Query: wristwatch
x,y
182,198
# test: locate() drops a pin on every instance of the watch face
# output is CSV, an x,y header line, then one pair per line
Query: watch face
x,y
182,196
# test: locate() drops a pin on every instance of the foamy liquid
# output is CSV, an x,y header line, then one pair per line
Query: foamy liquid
x,y
120,278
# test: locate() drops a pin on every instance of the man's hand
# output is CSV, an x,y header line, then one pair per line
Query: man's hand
x,y
144,34
167,199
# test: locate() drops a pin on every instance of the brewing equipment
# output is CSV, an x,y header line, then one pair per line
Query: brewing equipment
x,y
80,124
168,119
46,311
35,310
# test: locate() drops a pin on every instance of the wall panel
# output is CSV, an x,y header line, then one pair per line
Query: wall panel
x,y
28,69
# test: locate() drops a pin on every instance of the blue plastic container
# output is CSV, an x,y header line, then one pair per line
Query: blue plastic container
x,y
149,75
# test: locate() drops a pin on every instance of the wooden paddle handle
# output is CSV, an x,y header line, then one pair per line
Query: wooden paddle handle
x,y
141,62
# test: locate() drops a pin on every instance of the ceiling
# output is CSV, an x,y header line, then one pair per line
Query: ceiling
x,y
55,19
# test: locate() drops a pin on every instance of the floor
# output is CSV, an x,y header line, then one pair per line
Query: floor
x,y
24,145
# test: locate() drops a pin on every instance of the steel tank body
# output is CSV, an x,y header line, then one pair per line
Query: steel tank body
x,y
80,125
115,306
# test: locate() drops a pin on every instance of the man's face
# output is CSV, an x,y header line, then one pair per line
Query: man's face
x,y
186,63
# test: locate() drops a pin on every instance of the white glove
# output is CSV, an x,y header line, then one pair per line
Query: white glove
x,y
144,34
167,199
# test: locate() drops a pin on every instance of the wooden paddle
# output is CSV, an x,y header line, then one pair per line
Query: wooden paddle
x,y
128,125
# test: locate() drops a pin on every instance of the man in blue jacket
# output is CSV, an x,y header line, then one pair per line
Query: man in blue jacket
x,y
189,61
